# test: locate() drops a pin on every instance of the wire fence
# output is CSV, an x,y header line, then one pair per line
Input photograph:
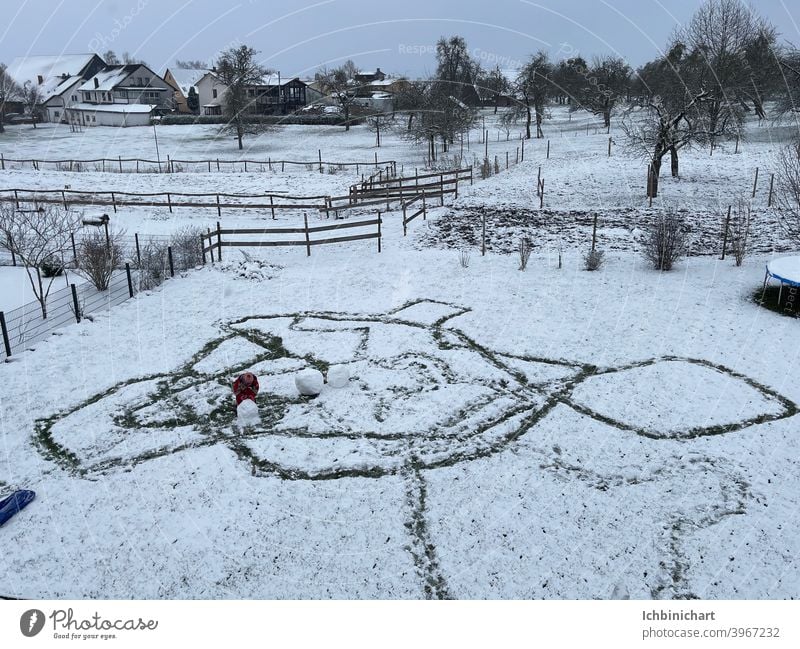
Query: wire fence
x,y
174,165
148,262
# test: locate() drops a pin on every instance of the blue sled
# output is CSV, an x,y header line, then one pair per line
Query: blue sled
x,y
15,503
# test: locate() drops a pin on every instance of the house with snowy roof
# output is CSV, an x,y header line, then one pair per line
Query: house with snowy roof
x,y
122,95
57,78
273,95
183,80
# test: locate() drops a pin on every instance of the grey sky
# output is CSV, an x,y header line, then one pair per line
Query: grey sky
x,y
296,36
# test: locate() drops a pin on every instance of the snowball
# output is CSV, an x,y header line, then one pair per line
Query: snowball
x,y
338,376
309,382
247,412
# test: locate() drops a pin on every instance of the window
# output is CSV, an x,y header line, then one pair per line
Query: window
x,y
74,97
56,114
214,93
93,118
139,81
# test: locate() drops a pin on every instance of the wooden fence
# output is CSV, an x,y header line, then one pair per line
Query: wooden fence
x,y
213,240
171,200
174,165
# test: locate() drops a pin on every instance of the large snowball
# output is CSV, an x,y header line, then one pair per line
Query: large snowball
x,y
309,382
247,412
338,376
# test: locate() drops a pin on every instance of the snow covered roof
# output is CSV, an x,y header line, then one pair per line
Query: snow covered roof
x,y
186,77
110,77
55,71
115,108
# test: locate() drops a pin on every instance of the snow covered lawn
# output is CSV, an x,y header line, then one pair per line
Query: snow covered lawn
x,y
504,434
15,287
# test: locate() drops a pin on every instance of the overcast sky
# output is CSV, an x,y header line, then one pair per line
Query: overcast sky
x,y
297,36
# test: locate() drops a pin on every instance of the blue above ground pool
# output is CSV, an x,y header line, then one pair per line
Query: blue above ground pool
x,y
15,503
786,270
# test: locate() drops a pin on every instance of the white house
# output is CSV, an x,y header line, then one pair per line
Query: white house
x,y
210,91
122,95
57,78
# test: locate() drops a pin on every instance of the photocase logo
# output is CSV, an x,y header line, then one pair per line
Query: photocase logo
x,y
31,622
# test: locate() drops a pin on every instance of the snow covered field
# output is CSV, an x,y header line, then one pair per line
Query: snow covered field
x,y
551,433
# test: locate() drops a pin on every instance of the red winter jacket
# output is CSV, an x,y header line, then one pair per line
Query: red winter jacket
x,y
242,391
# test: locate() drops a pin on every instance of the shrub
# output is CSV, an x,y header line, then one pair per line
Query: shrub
x,y
153,264
665,241
97,258
740,229
593,259
186,250
51,267
464,258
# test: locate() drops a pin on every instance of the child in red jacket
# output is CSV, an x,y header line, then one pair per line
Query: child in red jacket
x,y
245,387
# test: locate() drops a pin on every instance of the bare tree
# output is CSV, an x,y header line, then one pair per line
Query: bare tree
x,y
196,64
31,99
237,70
456,70
736,55
36,236
604,85
492,85
532,88
9,91
339,84
662,130
665,241
788,190
111,58
441,116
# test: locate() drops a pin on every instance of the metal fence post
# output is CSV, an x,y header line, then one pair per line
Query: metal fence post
x,y
171,264
75,303
219,242
308,240
6,342
138,251
203,247
130,281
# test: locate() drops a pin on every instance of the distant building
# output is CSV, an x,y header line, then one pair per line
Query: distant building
x,y
275,95
122,95
182,81
57,77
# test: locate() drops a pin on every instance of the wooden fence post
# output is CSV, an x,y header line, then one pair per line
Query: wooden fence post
x,y
541,196
272,207
169,202
219,207
219,242
506,159
483,233
424,208
771,184
6,342
138,251
130,281
320,159
308,238
548,149
379,231
16,198
120,164
114,202
725,234
64,197
171,264
517,159
203,247
2,162
609,147
522,157
210,245
75,304
755,183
